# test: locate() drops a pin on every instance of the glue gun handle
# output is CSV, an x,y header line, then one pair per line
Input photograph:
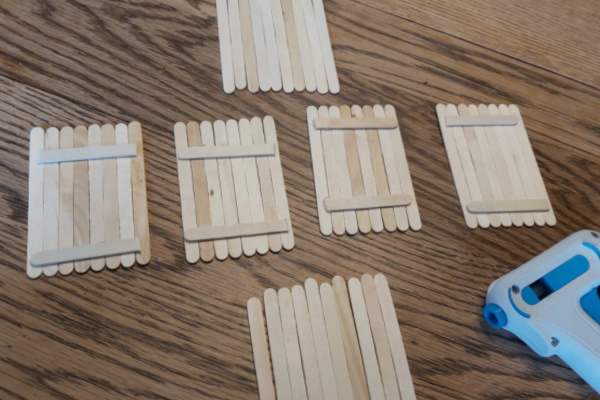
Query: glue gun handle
x,y
586,365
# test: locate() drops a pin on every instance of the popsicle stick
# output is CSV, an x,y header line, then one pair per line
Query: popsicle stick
x,y
382,347
51,201
336,344
365,339
320,177
250,60
266,184
126,228
243,230
315,46
276,342
35,214
407,390
255,197
393,177
282,46
225,49
481,120
260,350
186,191
65,218
283,211
89,251
214,190
271,44
111,195
368,174
236,151
335,123
86,153
262,61
362,203
532,164
504,206
292,348
307,344
350,340
317,321
81,199
140,204
237,46
292,41
326,50
304,46
96,197
478,165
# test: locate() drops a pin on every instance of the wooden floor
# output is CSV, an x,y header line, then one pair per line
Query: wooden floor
x,y
176,331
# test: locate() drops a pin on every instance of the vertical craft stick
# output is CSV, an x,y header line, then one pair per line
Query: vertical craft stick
x,y
140,203
262,61
326,50
35,215
320,178
331,171
127,231
271,44
264,377
237,46
304,46
315,46
81,199
296,59
282,45
111,195
225,47
65,218
51,200
96,196
248,42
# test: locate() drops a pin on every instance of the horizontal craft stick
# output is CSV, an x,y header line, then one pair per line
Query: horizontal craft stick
x,y
86,153
239,230
362,203
86,252
355,123
481,120
500,206
197,153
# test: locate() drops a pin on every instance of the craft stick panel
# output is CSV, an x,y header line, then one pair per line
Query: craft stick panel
x,y
87,199
275,44
233,198
494,169
333,341
362,180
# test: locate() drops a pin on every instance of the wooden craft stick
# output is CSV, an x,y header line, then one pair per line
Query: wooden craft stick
x,y
362,203
315,46
307,344
225,49
241,188
86,153
283,211
505,206
389,159
407,390
317,321
304,46
260,350
365,339
292,348
140,204
326,50
96,196
186,191
292,42
234,245
271,44
126,228
282,45
81,199
276,342
199,153
343,174
65,217
51,201
266,184
479,165
350,340
320,178
86,252
249,46
214,190
201,194
481,120
335,123
368,174
237,46
35,214
111,195
262,61
336,344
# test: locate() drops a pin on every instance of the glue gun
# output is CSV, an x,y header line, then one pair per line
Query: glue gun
x,y
552,303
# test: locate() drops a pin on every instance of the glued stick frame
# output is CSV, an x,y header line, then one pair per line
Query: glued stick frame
x,y
260,350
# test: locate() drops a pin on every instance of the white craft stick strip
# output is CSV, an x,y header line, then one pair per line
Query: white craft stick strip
x,y
532,164
320,177
282,45
89,251
407,390
126,228
350,340
235,151
35,214
502,134
234,245
500,164
96,197
262,61
243,230
490,168
271,44
186,191
307,344
214,190
111,195
237,46
51,201
140,204
505,206
368,174
479,165
249,46
362,203
315,46
326,50
276,342
225,49
304,46
481,120
86,153
292,41
382,346
365,339
335,123
350,222
65,217
260,350
255,197
389,159
292,348
81,199
317,321
336,344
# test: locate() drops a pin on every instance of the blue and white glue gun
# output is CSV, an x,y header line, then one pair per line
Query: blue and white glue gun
x,y
552,303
